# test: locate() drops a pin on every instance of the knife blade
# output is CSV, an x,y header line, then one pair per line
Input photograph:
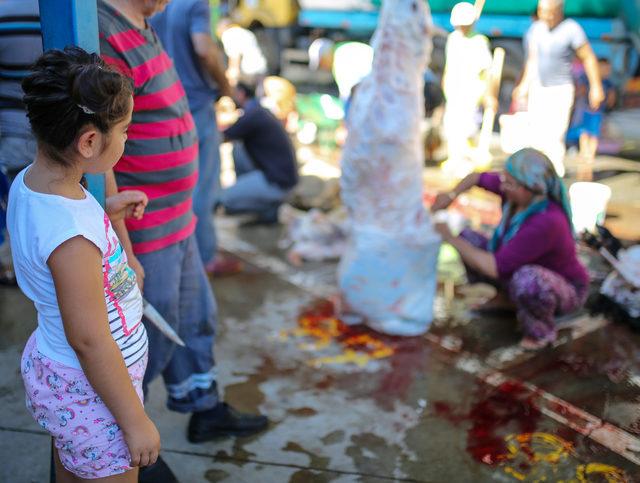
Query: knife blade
x,y
161,324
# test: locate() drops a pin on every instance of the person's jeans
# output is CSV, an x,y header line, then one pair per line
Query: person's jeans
x,y
4,196
177,286
208,187
16,152
252,192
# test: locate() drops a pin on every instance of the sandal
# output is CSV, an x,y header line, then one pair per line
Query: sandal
x,y
531,344
222,266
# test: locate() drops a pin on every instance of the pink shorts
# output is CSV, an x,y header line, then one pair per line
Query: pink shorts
x,y
62,401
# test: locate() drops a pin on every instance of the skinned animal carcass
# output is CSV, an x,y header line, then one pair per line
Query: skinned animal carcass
x,y
388,272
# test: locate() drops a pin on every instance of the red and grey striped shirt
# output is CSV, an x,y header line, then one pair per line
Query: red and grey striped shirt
x,y
161,153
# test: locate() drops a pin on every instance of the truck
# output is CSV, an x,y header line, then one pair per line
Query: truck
x,y
287,27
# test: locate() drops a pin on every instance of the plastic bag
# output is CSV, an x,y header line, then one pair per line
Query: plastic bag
x,y
388,272
390,281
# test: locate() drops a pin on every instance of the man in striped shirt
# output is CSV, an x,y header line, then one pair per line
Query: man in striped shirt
x,y
161,159
184,28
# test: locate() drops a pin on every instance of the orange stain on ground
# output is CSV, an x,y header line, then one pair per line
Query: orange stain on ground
x,y
531,456
322,329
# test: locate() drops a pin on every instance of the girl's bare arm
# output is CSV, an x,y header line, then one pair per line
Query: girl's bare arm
x,y
76,268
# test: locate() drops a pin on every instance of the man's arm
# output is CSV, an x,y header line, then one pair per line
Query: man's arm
x,y
521,90
210,58
588,58
207,51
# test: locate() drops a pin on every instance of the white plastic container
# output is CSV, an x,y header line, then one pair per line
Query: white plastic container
x,y
588,204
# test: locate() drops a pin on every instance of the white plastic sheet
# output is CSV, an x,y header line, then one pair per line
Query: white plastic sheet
x,y
388,272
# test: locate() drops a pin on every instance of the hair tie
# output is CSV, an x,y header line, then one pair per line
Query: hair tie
x,y
85,109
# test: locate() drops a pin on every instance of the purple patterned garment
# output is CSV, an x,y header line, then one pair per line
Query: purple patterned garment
x,y
538,293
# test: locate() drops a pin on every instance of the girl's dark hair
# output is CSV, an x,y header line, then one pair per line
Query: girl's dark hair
x,y
68,89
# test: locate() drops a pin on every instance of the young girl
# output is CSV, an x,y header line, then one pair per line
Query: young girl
x,y
83,366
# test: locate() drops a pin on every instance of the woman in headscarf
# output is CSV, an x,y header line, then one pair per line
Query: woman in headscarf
x,y
532,254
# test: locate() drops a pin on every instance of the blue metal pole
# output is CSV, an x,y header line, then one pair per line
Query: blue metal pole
x,y
73,22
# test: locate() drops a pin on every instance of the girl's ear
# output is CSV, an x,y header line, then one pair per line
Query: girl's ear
x,y
88,144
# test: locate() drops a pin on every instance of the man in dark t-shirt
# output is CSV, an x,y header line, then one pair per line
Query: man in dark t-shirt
x,y
264,159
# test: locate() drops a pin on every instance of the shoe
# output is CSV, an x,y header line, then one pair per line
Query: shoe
x,y
223,420
569,321
222,266
159,472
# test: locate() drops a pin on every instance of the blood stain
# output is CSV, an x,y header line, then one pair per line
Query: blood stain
x,y
508,409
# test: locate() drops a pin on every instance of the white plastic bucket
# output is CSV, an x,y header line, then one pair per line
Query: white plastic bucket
x,y
588,204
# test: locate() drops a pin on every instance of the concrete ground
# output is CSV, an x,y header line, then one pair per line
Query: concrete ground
x,y
347,405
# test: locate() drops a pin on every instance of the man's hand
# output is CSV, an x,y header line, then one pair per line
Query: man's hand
x,y
126,204
226,112
491,102
596,97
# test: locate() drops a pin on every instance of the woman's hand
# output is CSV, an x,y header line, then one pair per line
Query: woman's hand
x,y
143,441
442,202
444,231
126,204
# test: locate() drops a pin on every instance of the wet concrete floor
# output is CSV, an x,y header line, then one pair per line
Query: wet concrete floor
x,y
350,405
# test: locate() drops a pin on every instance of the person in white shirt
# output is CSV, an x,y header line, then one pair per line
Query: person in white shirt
x,y
246,60
465,83
551,44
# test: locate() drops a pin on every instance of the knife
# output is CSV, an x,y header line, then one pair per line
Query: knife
x,y
161,324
